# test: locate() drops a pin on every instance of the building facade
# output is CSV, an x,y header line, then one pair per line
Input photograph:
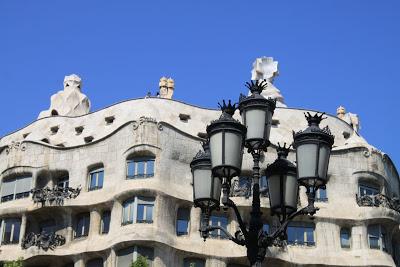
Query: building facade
x,y
100,189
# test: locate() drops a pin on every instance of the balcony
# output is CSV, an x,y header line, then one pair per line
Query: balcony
x,y
43,241
378,200
54,196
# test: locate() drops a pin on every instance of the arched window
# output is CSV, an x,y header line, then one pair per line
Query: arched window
x,y
140,167
16,188
96,178
377,237
345,237
182,221
138,210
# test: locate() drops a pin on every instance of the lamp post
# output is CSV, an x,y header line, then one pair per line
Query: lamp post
x,y
221,160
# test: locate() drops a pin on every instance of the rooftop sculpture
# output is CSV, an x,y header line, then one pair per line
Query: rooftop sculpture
x,y
70,101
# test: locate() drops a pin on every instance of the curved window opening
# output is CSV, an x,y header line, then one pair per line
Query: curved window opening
x,y
345,238
140,167
16,188
377,237
301,234
82,225
138,210
96,178
98,262
128,256
105,222
182,221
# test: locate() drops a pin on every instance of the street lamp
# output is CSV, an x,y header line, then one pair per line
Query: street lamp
x,y
221,160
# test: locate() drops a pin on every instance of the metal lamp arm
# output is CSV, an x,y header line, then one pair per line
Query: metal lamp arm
x,y
242,225
230,237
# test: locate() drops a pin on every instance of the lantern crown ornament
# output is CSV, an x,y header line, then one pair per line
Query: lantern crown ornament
x,y
313,147
227,109
256,86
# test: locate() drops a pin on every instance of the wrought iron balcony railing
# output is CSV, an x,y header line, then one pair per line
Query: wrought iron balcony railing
x,y
55,195
43,241
379,200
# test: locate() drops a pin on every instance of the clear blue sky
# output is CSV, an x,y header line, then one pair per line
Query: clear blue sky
x,y
331,53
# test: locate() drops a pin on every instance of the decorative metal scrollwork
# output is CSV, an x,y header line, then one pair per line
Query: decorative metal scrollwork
x,y
44,241
55,195
379,200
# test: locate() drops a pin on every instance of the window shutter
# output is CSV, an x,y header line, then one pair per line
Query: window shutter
x,y
7,187
24,184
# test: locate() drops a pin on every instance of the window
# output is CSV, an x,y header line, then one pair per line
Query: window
x,y
47,226
266,228
190,262
126,256
96,178
368,190
218,220
10,229
105,222
63,182
138,210
300,234
140,168
345,237
321,195
82,225
182,221
98,262
16,188
264,186
377,237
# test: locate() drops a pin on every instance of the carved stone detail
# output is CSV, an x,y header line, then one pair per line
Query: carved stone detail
x,y
144,119
15,146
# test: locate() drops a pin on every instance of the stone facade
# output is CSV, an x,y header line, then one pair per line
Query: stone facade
x,y
101,153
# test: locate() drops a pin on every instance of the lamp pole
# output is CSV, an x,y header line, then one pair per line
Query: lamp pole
x,y
221,160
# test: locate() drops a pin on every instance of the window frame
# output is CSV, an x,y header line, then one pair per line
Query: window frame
x,y
136,161
381,238
219,234
95,171
15,195
82,216
132,205
362,187
181,233
318,197
343,231
64,182
13,238
102,223
303,226
135,254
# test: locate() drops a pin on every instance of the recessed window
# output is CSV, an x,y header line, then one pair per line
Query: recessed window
x,y
97,262
10,230
266,228
82,225
140,167
16,188
264,186
368,190
126,256
63,182
105,222
191,262
184,117
182,221
96,179
88,139
300,234
321,195
54,129
47,226
345,237
138,210
377,237
218,220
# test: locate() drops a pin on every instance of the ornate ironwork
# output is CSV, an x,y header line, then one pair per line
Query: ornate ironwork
x,y
379,200
44,241
55,195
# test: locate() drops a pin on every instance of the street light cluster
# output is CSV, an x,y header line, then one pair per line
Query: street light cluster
x,y
221,160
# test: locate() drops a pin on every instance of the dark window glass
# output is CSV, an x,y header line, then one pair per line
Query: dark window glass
x,y
299,234
367,190
82,225
96,179
10,231
141,206
98,262
345,236
218,220
266,228
140,168
63,182
182,221
105,222
148,253
321,195
47,226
